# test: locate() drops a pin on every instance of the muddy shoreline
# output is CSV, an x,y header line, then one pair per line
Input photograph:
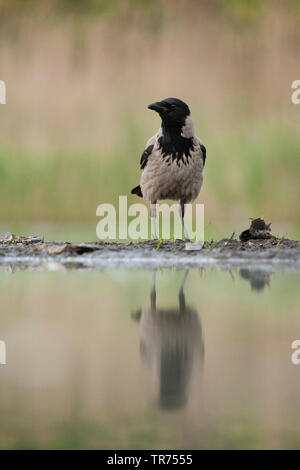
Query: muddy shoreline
x,y
33,252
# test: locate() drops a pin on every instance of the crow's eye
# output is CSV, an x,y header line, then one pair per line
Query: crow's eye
x,y
168,108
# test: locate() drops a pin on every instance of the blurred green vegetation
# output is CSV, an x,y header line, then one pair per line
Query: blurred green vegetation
x,y
243,9
251,168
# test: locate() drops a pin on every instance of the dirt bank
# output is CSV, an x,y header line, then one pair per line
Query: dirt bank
x,y
33,252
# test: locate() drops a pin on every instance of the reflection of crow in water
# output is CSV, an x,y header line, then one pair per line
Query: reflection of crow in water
x,y
258,279
171,348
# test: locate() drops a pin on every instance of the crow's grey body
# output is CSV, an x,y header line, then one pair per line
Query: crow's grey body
x,y
167,178
173,159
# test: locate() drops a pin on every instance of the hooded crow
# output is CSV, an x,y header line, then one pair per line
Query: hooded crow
x,y
173,160
172,349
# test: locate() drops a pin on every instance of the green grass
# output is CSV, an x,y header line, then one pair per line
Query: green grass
x,y
253,169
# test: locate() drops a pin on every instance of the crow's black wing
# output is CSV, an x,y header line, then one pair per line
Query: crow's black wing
x,y
203,149
145,155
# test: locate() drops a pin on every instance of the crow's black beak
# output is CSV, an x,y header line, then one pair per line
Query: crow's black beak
x,y
158,107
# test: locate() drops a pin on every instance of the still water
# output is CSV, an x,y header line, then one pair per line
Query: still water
x,y
133,359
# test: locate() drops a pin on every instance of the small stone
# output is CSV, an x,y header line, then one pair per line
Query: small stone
x,y
52,249
9,237
194,246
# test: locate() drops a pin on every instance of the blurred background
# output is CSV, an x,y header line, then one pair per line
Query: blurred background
x,y
80,73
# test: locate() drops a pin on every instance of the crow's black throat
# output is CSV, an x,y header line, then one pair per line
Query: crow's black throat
x,y
173,145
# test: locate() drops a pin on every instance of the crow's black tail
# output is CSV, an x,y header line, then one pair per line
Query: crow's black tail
x,y
137,190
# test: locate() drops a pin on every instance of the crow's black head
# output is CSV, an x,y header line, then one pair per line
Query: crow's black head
x,y
171,110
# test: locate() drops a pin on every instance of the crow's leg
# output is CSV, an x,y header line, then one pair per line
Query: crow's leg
x,y
153,218
153,292
181,293
181,215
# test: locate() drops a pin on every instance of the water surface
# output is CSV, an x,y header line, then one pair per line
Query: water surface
x,y
123,359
